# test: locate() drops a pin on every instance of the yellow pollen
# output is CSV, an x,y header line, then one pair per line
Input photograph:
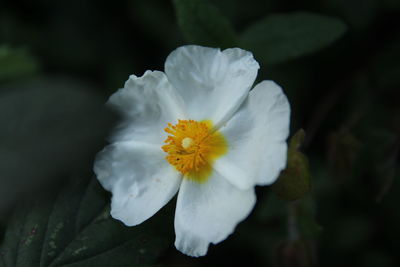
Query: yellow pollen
x,y
187,142
193,147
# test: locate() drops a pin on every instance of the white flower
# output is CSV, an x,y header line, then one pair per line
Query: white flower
x,y
199,130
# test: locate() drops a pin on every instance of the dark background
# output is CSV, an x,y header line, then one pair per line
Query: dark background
x,y
69,56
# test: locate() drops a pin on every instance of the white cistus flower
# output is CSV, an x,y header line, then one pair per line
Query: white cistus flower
x,y
198,130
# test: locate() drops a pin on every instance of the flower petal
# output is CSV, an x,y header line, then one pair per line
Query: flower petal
x,y
140,179
209,212
213,84
147,104
256,137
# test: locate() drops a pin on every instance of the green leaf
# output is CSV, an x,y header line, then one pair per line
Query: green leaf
x,y
294,181
279,38
15,63
76,230
358,14
201,23
50,127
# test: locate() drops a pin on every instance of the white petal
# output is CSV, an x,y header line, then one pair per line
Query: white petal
x,y
212,83
209,212
256,137
147,104
140,179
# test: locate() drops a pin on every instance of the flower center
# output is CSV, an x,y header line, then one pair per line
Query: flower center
x,y
187,142
192,148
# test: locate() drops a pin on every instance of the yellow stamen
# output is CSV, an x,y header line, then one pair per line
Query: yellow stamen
x,y
192,148
187,142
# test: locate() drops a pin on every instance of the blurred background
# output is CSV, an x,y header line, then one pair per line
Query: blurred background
x,y
338,62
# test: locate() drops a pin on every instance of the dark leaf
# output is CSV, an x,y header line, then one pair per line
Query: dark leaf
x,y
49,128
15,63
279,38
359,14
77,230
202,24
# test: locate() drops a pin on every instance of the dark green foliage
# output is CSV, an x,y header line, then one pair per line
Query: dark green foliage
x,y
15,63
359,14
49,128
279,38
202,24
336,60
75,229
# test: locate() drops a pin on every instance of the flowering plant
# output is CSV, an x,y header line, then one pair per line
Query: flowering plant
x,y
198,129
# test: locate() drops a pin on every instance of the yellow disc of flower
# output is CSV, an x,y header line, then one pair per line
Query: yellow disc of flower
x,y
192,148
